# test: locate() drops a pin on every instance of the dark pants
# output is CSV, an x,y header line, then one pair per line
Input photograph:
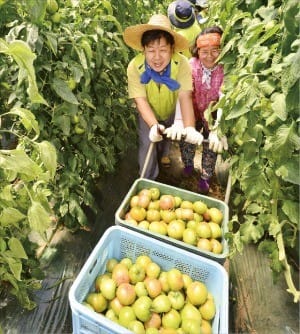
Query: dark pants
x,y
209,157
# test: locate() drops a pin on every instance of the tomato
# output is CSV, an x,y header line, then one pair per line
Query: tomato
x,y
52,6
79,130
56,17
75,119
71,83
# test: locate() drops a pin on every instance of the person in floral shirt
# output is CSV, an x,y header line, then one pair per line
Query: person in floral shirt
x,y
208,78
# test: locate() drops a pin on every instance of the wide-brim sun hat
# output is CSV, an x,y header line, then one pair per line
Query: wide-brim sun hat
x,y
181,14
133,35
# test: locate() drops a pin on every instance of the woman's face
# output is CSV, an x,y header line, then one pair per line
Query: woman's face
x,y
208,55
158,54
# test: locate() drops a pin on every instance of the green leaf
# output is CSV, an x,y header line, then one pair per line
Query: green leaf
x,y
17,249
267,86
27,119
110,18
237,241
76,210
290,170
284,141
238,110
107,5
276,265
2,246
89,103
267,246
52,41
10,216
252,34
24,57
274,228
63,123
254,208
15,266
251,232
267,13
19,162
278,106
35,9
8,277
254,182
48,156
62,89
269,33
22,295
291,12
39,218
6,194
82,57
291,209
291,73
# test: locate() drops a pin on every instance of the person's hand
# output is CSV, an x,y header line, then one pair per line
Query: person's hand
x,y
192,136
216,144
155,133
176,131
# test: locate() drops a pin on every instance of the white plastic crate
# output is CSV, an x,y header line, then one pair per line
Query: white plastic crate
x,y
139,184
120,242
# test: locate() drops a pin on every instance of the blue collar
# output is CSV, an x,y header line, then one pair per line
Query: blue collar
x,y
163,78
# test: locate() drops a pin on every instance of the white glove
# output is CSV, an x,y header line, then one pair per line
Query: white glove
x,y
176,131
192,136
155,132
215,144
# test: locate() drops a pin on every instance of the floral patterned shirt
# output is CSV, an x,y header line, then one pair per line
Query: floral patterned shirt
x,y
206,86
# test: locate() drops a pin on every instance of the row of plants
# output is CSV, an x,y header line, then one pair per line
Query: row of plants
x,y
261,106
64,115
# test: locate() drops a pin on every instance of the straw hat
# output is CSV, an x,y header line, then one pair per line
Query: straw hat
x,y
133,35
181,14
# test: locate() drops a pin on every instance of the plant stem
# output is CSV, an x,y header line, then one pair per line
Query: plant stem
x,y
282,254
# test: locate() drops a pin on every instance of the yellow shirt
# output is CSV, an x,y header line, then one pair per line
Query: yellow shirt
x,y
163,106
190,33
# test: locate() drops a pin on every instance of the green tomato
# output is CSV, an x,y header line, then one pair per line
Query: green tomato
x,y
75,119
56,17
52,6
79,130
71,83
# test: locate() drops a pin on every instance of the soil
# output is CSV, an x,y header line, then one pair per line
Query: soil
x,y
173,175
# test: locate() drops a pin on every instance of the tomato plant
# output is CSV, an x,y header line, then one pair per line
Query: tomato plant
x,y
75,71
63,82
27,169
261,106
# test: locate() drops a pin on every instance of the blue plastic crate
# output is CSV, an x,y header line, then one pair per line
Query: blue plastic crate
x,y
139,184
120,242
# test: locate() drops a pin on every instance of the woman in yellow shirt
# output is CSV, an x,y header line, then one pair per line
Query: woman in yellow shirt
x,y
157,77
